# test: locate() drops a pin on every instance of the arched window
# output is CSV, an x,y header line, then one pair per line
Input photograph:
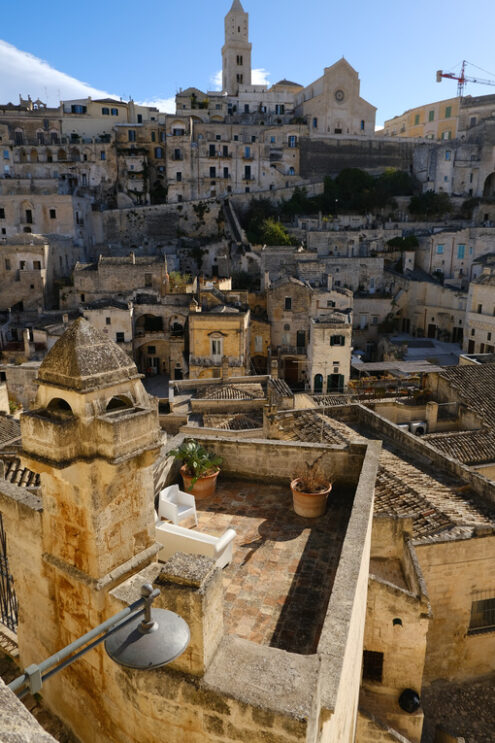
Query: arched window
x,y
318,384
292,171
59,408
75,155
119,403
34,156
61,155
22,156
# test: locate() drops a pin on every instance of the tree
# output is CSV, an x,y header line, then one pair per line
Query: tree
x,y
274,233
430,204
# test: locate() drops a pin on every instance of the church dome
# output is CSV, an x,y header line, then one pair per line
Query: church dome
x,y
85,359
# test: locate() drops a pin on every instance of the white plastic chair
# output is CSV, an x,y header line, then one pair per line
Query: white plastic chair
x,y
175,505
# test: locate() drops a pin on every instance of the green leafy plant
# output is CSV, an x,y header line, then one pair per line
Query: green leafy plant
x,y
197,460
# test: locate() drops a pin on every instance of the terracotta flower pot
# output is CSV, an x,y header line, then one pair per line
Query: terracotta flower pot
x,y
309,505
203,487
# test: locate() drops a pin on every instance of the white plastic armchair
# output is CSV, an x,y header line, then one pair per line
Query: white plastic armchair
x,y
175,505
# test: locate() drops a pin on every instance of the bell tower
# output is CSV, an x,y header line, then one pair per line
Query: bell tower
x,y
236,52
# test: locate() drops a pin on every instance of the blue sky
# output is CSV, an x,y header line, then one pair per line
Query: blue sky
x,y
148,50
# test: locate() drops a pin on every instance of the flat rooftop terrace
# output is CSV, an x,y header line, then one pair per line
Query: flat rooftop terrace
x,y
279,583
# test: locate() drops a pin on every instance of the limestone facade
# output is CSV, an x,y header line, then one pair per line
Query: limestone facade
x,y
480,313
217,337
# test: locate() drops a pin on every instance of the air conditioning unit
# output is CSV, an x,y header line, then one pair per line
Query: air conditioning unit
x,y
418,428
403,426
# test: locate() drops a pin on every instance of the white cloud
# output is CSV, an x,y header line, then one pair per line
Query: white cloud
x,y
216,80
167,105
26,74
259,76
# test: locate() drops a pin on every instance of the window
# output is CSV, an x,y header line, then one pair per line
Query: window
x,y
6,155
292,141
132,135
103,155
253,138
120,337
216,347
247,152
480,309
177,154
153,136
178,177
447,154
246,108
439,249
482,616
247,172
288,303
53,214
280,108
258,343
151,350
240,79
372,666
108,320
330,303
29,216
431,115
105,111
148,279
239,59
7,264
236,137
83,297
159,153
416,120
218,137
78,109
488,336
448,112
461,249
225,172
446,134
362,125
337,340
315,123
114,111
212,151
291,171
273,140
2,212
225,150
213,172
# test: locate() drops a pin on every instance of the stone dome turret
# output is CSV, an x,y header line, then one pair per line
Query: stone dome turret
x,y
84,359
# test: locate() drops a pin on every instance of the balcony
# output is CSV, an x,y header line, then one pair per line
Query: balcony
x,y
206,361
292,350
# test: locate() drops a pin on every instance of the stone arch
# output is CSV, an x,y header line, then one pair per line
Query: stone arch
x,y
22,156
59,408
34,155
75,154
489,187
119,402
61,155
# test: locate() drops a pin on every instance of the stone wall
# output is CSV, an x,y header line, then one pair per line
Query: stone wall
x,y
16,723
321,157
370,730
21,382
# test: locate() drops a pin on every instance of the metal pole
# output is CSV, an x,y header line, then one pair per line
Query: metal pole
x,y
33,675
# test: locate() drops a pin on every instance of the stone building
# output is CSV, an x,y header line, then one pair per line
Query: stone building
x,y
81,552
217,337
479,329
293,307
438,120
329,352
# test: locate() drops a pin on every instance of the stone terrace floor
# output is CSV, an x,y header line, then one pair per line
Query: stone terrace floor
x,y
279,583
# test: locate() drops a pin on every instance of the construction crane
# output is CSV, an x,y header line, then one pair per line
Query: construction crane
x,y
462,78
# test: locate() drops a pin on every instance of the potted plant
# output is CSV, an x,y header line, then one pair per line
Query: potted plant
x,y
310,485
200,469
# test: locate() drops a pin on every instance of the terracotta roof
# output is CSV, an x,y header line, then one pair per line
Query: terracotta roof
x,y
230,392
440,506
469,447
10,430
19,475
474,386
281,387
84,358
